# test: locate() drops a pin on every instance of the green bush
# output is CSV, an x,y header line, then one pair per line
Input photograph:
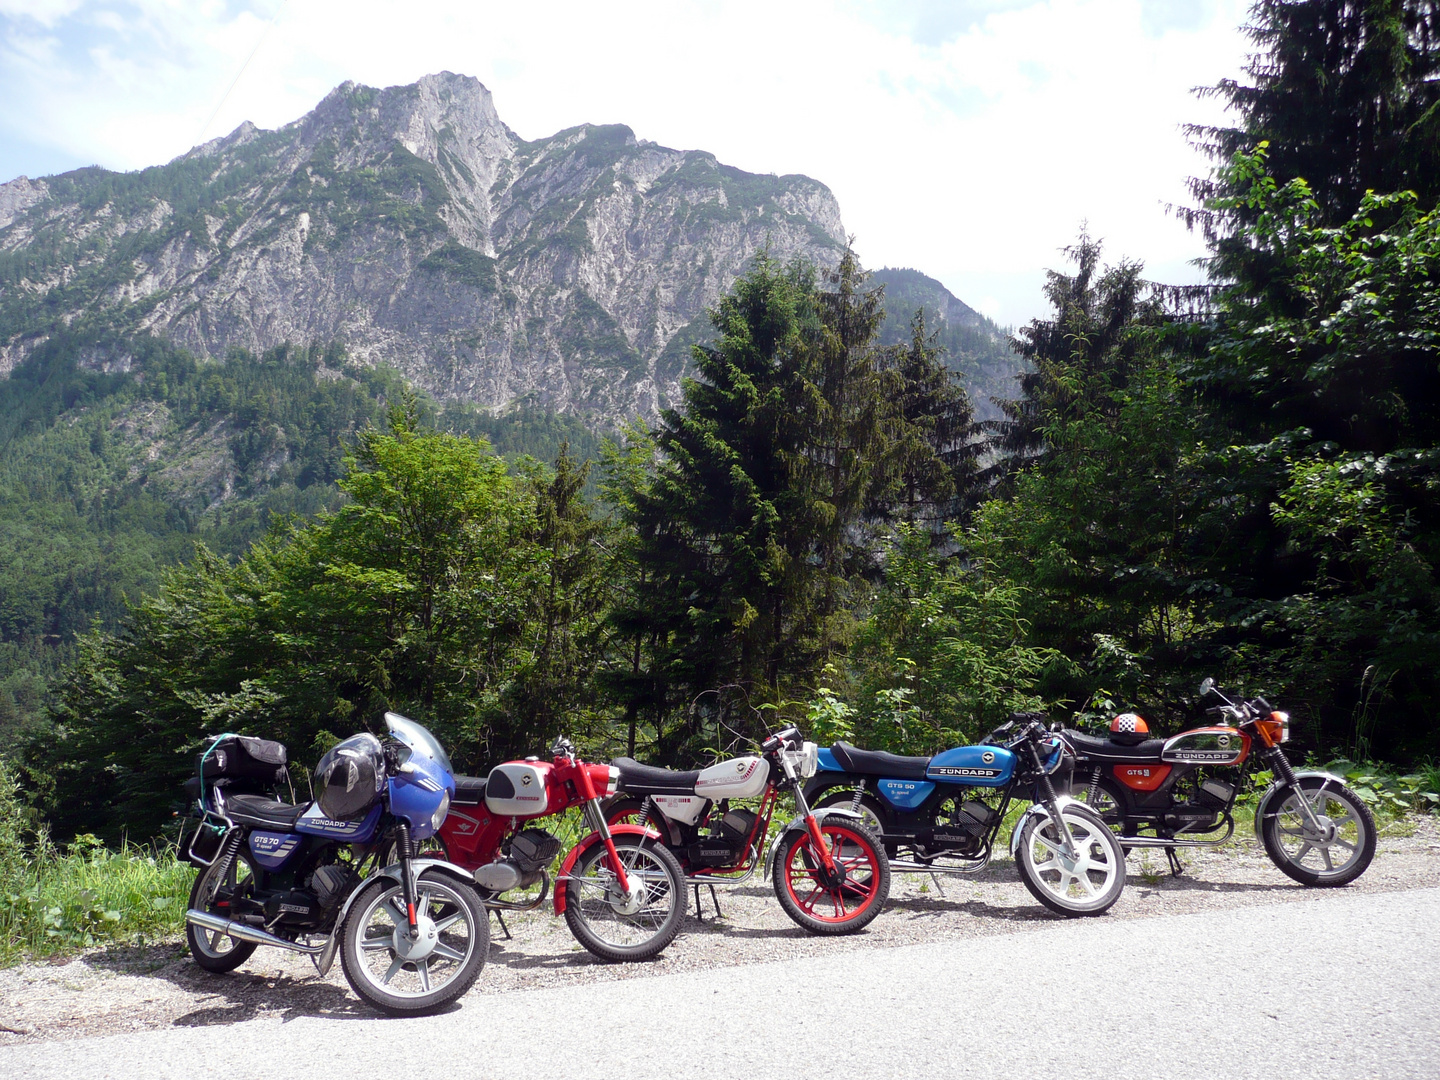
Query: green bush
x,y
53,901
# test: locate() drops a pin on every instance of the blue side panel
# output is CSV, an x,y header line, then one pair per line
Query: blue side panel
x,y
906,794
314,823
272,850
828,762
978,766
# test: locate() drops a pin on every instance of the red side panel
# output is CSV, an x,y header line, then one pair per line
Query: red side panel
x,y
1142,777
563,878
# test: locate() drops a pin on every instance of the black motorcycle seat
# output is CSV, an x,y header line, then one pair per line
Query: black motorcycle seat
x,y
1092,746
649,780
258,810
879,763
469,790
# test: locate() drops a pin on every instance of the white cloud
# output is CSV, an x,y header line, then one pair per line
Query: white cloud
x,y
968,140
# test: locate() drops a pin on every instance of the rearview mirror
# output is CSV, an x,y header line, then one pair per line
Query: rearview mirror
x,y
1206,687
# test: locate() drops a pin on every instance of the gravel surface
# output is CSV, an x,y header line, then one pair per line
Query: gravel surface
x,y
116,990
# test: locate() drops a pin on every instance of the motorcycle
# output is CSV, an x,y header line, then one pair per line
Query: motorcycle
x,y
1163,793
622,894
944,812
412,936
829,871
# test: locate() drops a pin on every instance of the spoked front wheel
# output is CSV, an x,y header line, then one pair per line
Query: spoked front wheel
x,y
411,976
1334,854
1084,881
616,924
838,902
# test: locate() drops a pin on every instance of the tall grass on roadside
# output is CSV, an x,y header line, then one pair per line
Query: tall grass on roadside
x,y
54,902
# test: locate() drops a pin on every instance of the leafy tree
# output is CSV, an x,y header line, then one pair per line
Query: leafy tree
x,y
1347,94
419,595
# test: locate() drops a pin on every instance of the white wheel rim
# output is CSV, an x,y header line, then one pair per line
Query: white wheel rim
x,y
1079,883
391,963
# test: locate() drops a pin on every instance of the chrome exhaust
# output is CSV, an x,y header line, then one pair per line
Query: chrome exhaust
x,y
242,932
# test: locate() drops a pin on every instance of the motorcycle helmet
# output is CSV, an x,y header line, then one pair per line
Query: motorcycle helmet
x,y
349,777
1128,729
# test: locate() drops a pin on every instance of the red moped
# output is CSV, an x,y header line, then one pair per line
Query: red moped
x,y
621,892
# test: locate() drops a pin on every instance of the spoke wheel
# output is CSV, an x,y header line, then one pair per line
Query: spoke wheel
x,y
406,976
1088,883
1338,852
613,924
211,949
827,906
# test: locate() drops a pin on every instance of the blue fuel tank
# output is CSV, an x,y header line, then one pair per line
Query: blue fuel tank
x,y
978,766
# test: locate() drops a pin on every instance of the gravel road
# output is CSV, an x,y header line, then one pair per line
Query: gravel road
x,y
1235,894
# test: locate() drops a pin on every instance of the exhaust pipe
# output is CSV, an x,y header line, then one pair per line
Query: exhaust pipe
x,y
242,932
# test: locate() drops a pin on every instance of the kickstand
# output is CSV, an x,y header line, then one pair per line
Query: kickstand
x,y
501,918
938,887
1175,868
700,911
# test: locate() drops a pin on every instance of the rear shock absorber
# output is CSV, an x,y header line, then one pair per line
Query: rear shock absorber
x,y
229,848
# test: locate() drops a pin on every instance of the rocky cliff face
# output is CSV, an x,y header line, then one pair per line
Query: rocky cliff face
x,y
412,226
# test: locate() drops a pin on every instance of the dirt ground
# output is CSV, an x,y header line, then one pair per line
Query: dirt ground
x,y
118,989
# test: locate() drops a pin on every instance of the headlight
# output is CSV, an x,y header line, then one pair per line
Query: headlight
x,y
809,760
440,811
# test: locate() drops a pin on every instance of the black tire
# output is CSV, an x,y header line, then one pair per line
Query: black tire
x,y
872,811
1285,828
596,913
373,926
212,950
1066,890
856,901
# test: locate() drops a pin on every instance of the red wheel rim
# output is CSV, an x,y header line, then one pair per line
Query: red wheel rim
x,y
856,893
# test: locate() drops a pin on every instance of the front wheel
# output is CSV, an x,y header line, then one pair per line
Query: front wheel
x,y
412,976
838,903
616,924
1087,883
1335,854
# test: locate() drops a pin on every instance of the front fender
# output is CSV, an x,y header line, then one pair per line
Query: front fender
x,y
798,823
420,866
1263,806
1036,810
563,878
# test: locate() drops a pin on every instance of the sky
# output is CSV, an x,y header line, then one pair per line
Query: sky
x,y
968,139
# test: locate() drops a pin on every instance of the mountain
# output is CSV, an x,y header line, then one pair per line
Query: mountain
x,y
975,347
413,227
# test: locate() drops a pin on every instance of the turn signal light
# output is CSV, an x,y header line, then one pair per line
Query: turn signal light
x,y
1275,728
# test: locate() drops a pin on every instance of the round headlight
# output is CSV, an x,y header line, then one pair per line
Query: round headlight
x,y
441,811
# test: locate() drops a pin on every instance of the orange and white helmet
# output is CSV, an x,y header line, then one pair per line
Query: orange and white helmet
x,y
1129,723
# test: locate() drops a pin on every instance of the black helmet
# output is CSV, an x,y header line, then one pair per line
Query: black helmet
x,y
348,778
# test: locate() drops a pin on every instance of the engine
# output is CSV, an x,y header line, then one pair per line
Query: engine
x,y
963,834
521,863
724,843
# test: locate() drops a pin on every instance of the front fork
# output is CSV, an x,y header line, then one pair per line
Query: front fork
x,y
1052,805
812,826
405,851
1281,764
596,819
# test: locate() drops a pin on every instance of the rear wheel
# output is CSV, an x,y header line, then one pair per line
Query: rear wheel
x,y
872,814
1335,854
406,976
841,903
1087,883
213,893
618,925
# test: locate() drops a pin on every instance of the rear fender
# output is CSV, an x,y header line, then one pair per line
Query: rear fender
x,y
1038,810
420,866
1263,806
797,824
563,878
